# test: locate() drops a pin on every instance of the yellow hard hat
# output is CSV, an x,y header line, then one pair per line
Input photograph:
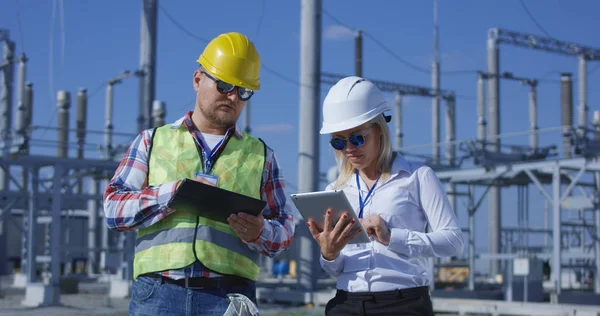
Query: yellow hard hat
x,y
232,57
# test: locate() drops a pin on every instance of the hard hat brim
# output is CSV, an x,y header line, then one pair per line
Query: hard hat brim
x,y
349,124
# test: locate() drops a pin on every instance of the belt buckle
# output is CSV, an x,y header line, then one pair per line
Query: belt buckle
x,y
187,286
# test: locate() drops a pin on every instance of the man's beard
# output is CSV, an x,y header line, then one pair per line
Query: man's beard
x,y
219,118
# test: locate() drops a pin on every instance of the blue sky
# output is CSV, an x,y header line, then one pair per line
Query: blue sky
x,y
100,39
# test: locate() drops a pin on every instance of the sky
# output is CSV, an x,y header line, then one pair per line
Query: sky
x,y
74,44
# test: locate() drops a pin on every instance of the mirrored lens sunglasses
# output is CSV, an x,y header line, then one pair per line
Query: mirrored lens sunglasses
x,y
225,88
356,139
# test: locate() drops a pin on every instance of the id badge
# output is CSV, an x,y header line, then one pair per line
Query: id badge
x,y
211,178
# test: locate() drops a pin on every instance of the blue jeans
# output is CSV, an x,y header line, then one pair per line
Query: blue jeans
x,y
150,297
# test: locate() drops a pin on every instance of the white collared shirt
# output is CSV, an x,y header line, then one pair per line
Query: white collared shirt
x,y
422,223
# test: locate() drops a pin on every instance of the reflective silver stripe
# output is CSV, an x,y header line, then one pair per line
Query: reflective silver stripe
x,y
205,233
163,237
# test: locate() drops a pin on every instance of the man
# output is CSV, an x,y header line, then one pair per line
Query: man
x,y
186,264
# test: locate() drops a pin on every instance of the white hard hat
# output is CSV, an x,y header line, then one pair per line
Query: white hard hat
x,y
351,102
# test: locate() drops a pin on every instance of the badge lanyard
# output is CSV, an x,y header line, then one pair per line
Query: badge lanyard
x,y
208,158
360,200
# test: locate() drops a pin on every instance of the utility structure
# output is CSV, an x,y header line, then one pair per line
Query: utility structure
x,y
308,151
496,37
147,90
478,149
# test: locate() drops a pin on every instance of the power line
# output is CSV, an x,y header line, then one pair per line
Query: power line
x,y
393,54
20,26
533,19
181,27
380,44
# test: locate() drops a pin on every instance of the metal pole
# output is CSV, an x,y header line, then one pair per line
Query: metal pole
x,y
583,108
108,126
21,107
471,237
597,240
308,160
566,103
28,107
435,85
147,62
358,54
546,223
56,233
6,99
93,228
63,104
451,131
81,126
26,219
556,232
31,244
481,108
494,225
159,112
533,138
398,120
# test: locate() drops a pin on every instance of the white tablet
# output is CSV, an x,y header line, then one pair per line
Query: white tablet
x,y
315,204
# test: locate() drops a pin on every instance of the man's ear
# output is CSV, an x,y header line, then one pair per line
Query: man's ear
x,y
197,78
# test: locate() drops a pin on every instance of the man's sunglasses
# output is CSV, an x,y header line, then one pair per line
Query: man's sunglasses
x,y
357,139
225,88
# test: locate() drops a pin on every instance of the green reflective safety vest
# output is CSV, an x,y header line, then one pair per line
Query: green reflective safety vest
x,y
180,239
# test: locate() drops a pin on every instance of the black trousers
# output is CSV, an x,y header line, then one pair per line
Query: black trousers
x,y
414,301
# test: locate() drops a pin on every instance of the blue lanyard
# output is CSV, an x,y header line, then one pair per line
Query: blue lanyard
x,y
360,200
208,158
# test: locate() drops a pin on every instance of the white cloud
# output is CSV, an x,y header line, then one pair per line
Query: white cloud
x,y
337,33
273,128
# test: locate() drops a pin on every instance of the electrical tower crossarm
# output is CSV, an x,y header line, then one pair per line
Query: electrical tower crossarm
x,y
544,43
387,86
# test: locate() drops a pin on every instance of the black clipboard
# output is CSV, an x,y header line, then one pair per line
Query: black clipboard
x,y
213,202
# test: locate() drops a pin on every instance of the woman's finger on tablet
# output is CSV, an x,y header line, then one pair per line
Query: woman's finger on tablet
x,y
313,229
347,231
340,225
328,222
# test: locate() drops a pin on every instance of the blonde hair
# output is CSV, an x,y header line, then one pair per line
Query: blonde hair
x,y
384,160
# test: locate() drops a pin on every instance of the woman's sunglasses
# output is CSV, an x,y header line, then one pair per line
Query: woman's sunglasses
x,y
225,88
356,139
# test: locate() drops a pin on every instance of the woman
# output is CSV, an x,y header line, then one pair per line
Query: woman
x,y
401,205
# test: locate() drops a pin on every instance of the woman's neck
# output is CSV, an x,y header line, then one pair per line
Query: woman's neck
x,y
369,173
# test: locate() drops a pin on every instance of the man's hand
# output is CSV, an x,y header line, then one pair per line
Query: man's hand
x,y
375,226
246,226
332,239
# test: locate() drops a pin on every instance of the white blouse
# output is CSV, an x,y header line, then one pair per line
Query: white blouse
x,y
422,224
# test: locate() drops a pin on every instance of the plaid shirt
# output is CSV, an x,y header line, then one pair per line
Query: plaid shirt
x,y
129,203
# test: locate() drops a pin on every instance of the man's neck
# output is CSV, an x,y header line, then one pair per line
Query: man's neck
x,y
204,126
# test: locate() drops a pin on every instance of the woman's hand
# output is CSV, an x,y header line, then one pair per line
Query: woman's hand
x,y
332,239
375,226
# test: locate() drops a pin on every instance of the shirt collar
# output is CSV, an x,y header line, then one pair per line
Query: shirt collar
x,y
187,119
399,164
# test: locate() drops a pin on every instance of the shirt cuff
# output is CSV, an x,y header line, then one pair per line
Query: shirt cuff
x,y
166,192
333,267
398,239
265,234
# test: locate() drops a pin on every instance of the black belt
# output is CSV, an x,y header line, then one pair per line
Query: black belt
x,y
386,295
203,283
